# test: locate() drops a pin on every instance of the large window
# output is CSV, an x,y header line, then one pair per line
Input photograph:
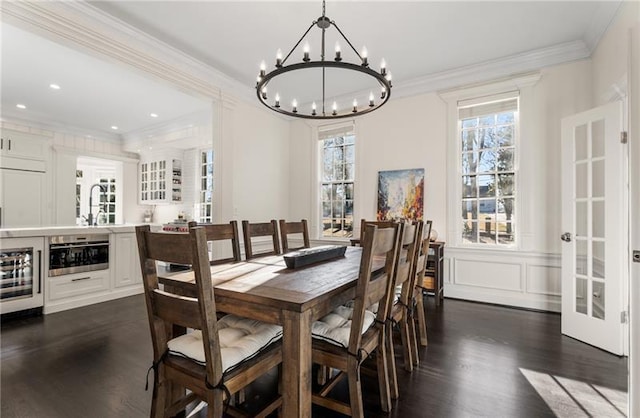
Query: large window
x,y
487,134
337,157
204,208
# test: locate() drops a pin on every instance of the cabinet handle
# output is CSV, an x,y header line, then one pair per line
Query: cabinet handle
x,y
9,144
39,271
1,143
81,278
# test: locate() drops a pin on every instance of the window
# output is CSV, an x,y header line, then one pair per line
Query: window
x,y
487,134
337,159
204,208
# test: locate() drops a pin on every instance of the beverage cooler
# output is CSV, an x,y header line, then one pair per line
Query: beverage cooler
x,y
21,276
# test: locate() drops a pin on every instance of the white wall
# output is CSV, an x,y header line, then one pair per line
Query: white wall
x,y
260,177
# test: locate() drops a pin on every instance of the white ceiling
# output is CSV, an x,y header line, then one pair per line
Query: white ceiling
x,y
417,39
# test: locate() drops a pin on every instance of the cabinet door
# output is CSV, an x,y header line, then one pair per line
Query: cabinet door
x,y
21,197
127,261
23,145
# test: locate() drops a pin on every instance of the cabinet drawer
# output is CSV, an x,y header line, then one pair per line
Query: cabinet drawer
x,y
23,145
78,284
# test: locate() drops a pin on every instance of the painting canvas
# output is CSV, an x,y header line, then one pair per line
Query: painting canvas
x,y
400,194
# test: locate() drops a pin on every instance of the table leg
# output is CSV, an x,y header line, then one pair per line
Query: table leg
x,y
296,367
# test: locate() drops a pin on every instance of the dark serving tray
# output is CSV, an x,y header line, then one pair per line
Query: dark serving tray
x,y
308,256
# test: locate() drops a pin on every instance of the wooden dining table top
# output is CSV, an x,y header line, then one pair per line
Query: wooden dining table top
x,y
267,281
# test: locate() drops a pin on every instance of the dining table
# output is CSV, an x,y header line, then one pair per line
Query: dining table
x,y
265,289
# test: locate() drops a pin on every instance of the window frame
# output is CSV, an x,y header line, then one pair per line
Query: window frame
x,y
515,146
336,130
523,85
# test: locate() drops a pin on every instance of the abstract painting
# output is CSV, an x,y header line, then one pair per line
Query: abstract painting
x,y
400,194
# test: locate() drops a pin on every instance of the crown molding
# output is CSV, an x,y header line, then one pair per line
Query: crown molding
x,y
56,127
491,70
602,18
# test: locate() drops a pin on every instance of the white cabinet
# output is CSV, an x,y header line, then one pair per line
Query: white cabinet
x,y
75,285
23,145
21,198
160,180
127,262
23,163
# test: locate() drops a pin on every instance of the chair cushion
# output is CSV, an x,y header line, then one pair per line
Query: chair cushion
x,y
336,326
240,339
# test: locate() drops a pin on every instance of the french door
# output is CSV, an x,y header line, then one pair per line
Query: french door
x,y
593,221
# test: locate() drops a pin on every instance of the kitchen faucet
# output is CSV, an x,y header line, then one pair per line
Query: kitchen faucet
x,y
103,189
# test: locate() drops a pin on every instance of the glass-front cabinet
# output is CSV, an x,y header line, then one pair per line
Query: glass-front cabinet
x,y
160,180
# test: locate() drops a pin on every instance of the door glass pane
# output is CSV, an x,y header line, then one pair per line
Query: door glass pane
x,y
582,180
597,219
597,178
597,259
581,257
581,295
597,139
597,309
581,142
581,219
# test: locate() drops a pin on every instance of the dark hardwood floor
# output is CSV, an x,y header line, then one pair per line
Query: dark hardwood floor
x,y
92,362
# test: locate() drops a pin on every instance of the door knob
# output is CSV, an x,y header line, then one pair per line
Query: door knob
x,y
566,237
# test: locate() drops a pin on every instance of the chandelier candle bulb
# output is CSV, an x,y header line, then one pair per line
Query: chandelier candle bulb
x,y
371,104
278,58
355,106
364,54
294,105
338,53
263,69
306,53
335,109
383,67
264,93
313,108
277,100
383,93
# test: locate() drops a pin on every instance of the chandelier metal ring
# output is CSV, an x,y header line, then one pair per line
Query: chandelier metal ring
x,y
383,77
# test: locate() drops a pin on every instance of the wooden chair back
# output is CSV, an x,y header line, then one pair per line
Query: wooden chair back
x,y
264,229
375,286
405,272
223,232
166,309
294,228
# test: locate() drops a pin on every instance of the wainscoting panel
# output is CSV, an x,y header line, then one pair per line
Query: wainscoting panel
x,y
512,278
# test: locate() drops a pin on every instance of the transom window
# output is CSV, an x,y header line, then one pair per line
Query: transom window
x,y
337,157
487,134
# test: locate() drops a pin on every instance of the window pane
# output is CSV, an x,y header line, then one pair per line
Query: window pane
x,y
338,172
339,140
349,172
326,192
470,123
487,138
348,191
506,187
504,136
350,139
326,209
469,232
468,139
469,162
505,159
348,208
470,210
469,188
487,161
487,120
486,185
505,117
486,207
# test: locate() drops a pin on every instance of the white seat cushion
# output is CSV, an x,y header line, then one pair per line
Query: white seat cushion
x,y
336,326
240,339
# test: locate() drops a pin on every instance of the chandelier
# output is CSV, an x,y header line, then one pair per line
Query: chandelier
x,y
317,108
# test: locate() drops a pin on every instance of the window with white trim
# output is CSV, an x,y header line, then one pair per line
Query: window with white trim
x,y
204,207
337,174
487,131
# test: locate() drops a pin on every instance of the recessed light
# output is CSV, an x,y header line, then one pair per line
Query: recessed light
x,y
114,127
21,106
54,86
153,115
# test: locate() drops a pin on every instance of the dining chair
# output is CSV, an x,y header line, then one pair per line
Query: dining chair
x,y
401,310
420,271
263,229
343,339
298,229
219,357
223,232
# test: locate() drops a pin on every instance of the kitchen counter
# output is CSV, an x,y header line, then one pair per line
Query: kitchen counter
x,y
48,231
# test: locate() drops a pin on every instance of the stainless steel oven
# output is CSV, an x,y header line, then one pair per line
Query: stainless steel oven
x,y
78,253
